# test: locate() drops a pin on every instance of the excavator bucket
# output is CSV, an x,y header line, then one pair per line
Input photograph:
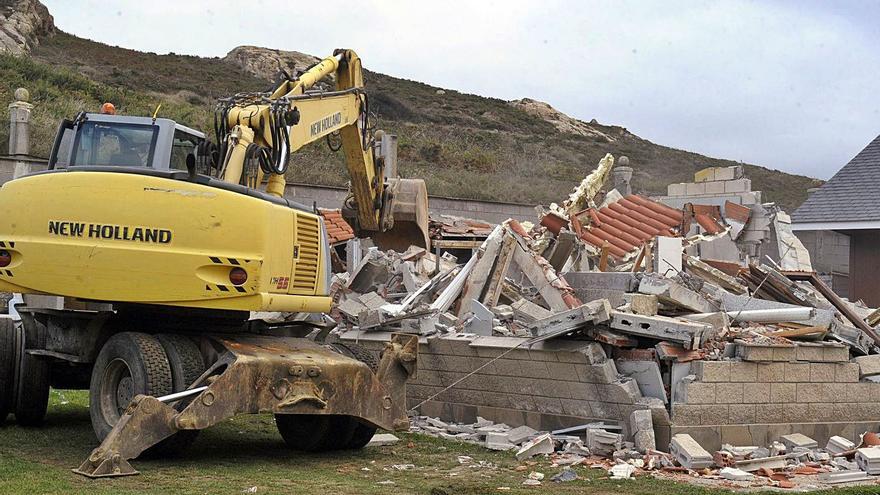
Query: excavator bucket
x,y
409,212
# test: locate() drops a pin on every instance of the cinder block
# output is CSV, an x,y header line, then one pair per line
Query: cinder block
x,y
868,365
579,408
797,372
714,187
796,413
712,371
676,189
769,413
786,353
822,372
689,453
781,393
695,188
822,411
846,372
741,414
705,174
816,392
757,353
741,371
811,353
700,393
771,372
835,353
598,373
728,173
738,186
716,414
756,393
729,393
686,415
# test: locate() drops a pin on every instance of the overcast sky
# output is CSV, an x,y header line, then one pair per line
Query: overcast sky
x,y
788,85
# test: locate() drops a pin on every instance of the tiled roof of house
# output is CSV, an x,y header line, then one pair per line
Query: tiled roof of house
x,y
850,196
338,230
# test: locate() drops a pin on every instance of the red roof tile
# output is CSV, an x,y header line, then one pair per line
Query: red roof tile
x,y
627,224
338,230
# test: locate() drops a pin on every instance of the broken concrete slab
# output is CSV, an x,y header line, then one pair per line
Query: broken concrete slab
x,y
674,293
529,312
573,319
688,334
847,476
838,445
868,459
646,375
541,444
773,462
480,321
601,442
798,440
382,439
499,441
641,425
643,304
734,474
520,434
868,365
689,453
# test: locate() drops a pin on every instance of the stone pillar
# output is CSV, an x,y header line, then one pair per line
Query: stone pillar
x,y
20,130
622,174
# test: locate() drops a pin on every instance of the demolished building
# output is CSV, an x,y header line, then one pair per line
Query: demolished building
x,y
607,305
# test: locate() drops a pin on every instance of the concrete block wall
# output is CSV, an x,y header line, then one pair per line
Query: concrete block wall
x,y
748,402
551,385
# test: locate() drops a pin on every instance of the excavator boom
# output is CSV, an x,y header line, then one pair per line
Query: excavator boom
x,y
275,124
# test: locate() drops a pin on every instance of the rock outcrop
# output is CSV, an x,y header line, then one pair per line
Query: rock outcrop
x,y
22,24
267,63
564,123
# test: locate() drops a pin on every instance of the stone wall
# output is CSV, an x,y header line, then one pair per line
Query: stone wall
x,y
552,385
774,391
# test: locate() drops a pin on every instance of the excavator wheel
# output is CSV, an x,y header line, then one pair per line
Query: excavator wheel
x,y
130,363
361,433
7,366
32,392
187,365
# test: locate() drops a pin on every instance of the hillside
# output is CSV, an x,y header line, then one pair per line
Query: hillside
x,y
464,145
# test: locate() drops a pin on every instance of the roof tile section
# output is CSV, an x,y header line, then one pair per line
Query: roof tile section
x,y
850,196
628,224
338,230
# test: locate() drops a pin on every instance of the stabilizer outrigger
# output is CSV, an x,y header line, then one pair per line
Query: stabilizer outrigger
x,y
260,374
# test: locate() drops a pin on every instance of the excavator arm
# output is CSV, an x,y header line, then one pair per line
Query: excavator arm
x,y
271,126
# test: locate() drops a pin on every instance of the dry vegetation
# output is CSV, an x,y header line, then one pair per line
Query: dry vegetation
x,y
464,145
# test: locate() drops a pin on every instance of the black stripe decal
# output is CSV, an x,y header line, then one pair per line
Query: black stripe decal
x,y
9,272
2,244
11,244
215,259
233,261
207,287
240,289
223,288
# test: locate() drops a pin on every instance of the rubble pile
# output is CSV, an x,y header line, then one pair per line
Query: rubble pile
x,y
672,340
794,461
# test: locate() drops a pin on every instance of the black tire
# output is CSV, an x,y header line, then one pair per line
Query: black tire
x,y
358,352
362,435
187,365
34,375
32,402
7,367
185,359
306,432
130,363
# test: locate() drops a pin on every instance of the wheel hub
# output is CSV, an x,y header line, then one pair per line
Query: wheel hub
x,y
124,393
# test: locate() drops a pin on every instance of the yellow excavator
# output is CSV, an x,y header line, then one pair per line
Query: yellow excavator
x,y
160,244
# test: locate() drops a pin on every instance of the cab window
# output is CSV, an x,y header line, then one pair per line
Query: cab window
x,y
115,144
183,145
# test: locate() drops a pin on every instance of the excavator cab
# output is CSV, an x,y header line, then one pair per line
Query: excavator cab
x,y
101,140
